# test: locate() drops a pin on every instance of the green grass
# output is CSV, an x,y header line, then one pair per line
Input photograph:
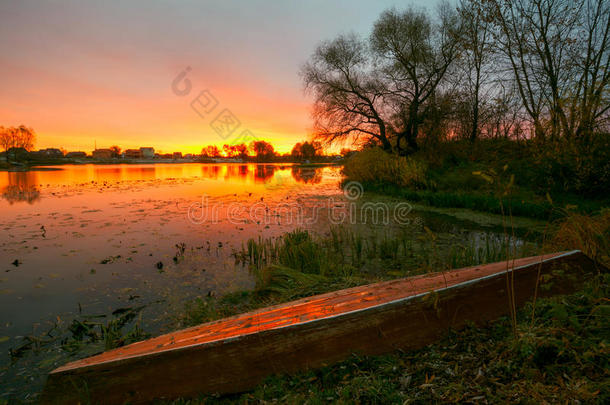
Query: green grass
x,y
493,175
529,206
300,264
344,252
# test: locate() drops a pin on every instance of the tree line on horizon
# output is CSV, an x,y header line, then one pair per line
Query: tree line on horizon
x,y
263,151
521,70
23,138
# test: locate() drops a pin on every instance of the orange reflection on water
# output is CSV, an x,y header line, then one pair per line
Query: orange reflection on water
x,y
220,178
20,187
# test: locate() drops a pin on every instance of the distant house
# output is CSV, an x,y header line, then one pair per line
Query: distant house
x,y
17,153
76,155
102,154
133,154
188,156
51,152
147,153
177,155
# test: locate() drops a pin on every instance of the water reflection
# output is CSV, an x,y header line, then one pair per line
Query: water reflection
x,y
220,178
21,187
236,172
307,175
211,171
264,173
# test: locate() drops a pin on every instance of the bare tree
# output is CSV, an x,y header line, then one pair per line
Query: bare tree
x,y
415,54
5,141
348,95
474,63
17,137
559,54
590,111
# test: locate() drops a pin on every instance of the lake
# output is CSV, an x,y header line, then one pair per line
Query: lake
x,y
93,240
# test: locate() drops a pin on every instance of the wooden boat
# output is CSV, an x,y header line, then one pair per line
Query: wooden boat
x,y
235,354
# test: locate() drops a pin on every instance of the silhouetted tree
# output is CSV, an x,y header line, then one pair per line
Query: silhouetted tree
x,y
558,52
415,54
306,150
211,151
13,138
262,150
240,151
383,89
474,63
348,96
116,151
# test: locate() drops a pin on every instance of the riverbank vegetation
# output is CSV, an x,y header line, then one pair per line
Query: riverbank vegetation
x,y
559,352
479,176
455,96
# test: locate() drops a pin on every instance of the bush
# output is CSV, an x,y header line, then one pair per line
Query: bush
x,y
375,165
576,167
590,234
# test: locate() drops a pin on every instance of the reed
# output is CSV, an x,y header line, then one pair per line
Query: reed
x,y
343,252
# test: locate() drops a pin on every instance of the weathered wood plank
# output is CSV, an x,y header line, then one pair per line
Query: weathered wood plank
x,y
234,354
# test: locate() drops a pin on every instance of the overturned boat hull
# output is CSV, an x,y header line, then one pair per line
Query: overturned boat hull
x,y
235,354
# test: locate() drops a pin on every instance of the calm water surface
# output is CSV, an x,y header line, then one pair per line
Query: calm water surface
x,y
90,240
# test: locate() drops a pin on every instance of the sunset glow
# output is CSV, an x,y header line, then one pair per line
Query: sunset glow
x,y
86,73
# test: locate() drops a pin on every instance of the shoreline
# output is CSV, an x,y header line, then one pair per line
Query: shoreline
x,y
5,167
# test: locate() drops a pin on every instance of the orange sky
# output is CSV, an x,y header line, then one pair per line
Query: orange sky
x,y
80,72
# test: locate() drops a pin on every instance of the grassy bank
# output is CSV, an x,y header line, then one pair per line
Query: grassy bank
x,y
558,355
559,352
524,204
300,264
496,176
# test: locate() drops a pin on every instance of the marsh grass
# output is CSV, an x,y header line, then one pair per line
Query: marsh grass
x,y
591,234
376,165
552,350
87,334
300,264
344,252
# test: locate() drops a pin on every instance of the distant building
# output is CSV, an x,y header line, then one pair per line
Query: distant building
x,y
76,155
133,154
147,153
102,154
177,155
51,152
17,154
188,156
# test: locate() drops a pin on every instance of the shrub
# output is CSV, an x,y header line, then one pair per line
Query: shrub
x,y
375,165
577,167
591,234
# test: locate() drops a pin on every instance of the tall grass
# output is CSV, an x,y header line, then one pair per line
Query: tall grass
x,y
376,165
590,234
344,253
